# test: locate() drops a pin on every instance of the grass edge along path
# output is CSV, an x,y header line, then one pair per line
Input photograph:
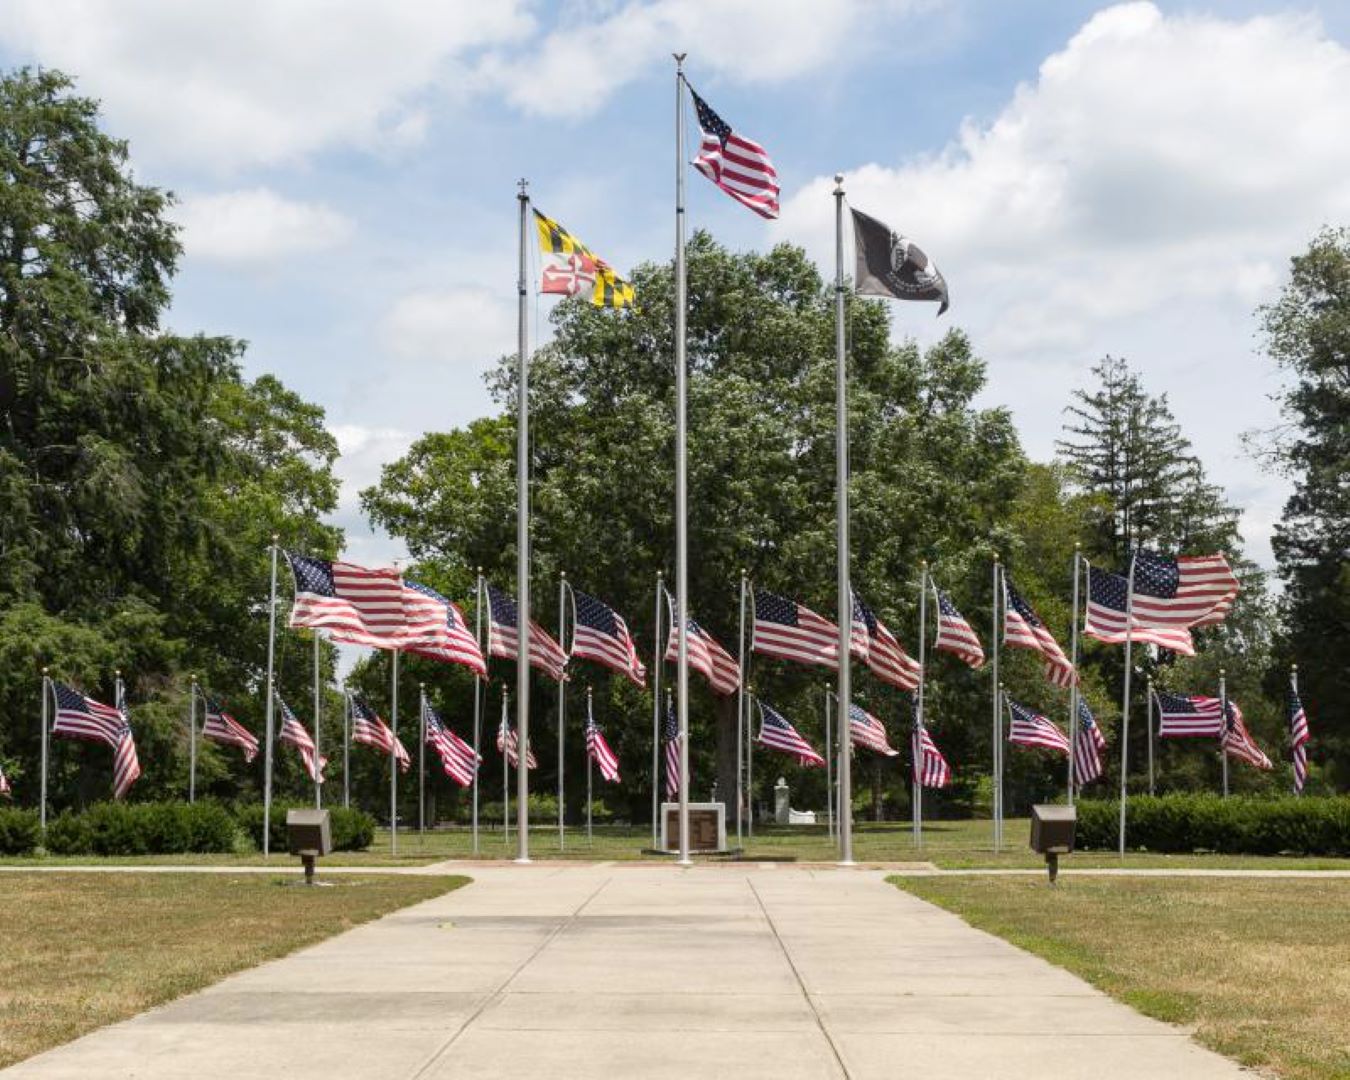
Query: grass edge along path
x,y
1259,969
87,950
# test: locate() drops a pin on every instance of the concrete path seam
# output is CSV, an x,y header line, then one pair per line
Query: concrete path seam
x,y
801,983
497,994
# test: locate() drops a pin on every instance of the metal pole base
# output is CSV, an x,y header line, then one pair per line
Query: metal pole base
x,y
1052,866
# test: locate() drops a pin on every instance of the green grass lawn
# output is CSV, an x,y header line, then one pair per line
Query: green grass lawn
x,y
1260,968
85,950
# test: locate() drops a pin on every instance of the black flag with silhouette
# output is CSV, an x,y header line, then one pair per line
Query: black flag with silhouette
x,y
890,264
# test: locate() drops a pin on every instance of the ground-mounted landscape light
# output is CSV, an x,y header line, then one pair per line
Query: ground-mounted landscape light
x,y
308,835
1052,829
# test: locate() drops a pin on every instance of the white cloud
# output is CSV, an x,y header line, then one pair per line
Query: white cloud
x,y
364,451
1140,197
235,83
257,226
457,325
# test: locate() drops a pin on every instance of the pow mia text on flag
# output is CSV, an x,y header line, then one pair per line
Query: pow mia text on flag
x,y
889,264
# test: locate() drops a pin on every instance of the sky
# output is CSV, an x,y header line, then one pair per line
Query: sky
x,y
1092,179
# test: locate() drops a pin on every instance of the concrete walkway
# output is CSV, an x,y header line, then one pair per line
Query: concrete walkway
x,y
555,972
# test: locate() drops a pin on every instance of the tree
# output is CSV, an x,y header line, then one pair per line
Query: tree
x,y
1307,331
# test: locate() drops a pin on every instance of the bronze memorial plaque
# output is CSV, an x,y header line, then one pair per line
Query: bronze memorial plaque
x,y
702,829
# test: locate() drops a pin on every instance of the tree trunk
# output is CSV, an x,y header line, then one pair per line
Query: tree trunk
x,y
726,756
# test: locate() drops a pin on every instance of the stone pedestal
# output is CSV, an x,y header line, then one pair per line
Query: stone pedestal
x,y
707,827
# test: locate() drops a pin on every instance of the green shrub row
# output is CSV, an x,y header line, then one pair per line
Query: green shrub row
x,y
352,829
18,831
1233,826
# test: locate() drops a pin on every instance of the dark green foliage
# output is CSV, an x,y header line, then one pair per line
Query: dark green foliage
x,y
166,828
352,829
1233,826
18,831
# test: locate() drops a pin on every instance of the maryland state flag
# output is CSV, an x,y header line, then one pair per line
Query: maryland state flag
x,y
570,268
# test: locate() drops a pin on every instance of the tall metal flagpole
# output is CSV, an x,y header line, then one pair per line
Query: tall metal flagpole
x,y
192,741
844,608
829,768
681,463
1073,661
590,719
393,759
923,679
1125,701
523,551
562,703
346,748
271,693
506,769
1149,715
658,658
318,723
740,714
46,720
421,760
1223,727
477,701
995,743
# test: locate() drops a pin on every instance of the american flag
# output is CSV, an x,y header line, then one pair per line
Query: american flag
x,y
368,728
221,727
1186,715
777,733
1108,601
1192,590
1088,746
1024,629
1237,741
706,657
928,767
954,633
5,789
597,749
867,731
1298,739
601,635
436,628
357,604
508,743
504,639
739,166
789,631
670,736
80,717
293,733
1030,728
872,643
458,760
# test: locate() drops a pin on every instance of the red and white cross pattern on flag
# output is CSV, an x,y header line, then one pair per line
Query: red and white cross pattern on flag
x,y
1024,629
706,656
1188,716
370,730
1191,590
777,733
1089,744
871,642
600,634
293,733
1107,605
356,604
504,637
790,631
597,749
458,761
1237,741
221,727
954,633
867,731
436,628
1030,729
739,166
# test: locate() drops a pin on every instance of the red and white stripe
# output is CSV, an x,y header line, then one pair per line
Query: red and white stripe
x,y
293,734
1030,729
373,731
367,608
545,653
598,750
221,727
882,652
1107,625
930,768
807,639
955,634
706,657
435,627
1205,593
1022,633
1202,718
1238,742
867,731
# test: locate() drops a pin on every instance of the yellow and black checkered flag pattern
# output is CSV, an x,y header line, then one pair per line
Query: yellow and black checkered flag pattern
x,y
571,267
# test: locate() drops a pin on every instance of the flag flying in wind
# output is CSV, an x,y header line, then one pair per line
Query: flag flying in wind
x,y
80,717
293,733
1089,744
670,737
223,728
1029,728
504,638
1187,715
889,264
436,628
508,743
368,728
1108,603
1024,629
1192,590
357,604
927,765
1298,739
777,733
571,268
5,789
706,657
790,631
866,730
876,646
458,760
597,749
954,633
1237,741
601,635
739,166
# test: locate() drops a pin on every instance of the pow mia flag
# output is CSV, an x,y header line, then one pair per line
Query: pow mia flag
x,y
893,265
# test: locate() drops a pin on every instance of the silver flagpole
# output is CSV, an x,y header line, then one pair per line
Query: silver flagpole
x,y
829,769
421,761
1149,715
590,717
1073,661
658,655
1125,702
916,780
844,608
749,766
477,700
740,715
318,721
994,741
506,770
47,691
1223,728
346,748
681,463
192,741
271,693
523,552
393,760
923,679
562,704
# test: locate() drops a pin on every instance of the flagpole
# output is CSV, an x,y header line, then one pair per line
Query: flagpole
x,y
995,742
740,713
421,761
318,713
681,463
506,770
1293,685
658,658
271,692
1073,662
346,748
749,766
1125,701
523,550
47,691
562,703
829,773
1149,715
393,759
192,740
923,679
477,699
845,598
1223,727
590,717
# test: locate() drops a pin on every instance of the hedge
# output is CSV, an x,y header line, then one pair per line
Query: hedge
x,y
18,831
1237,825
162,828
352,829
